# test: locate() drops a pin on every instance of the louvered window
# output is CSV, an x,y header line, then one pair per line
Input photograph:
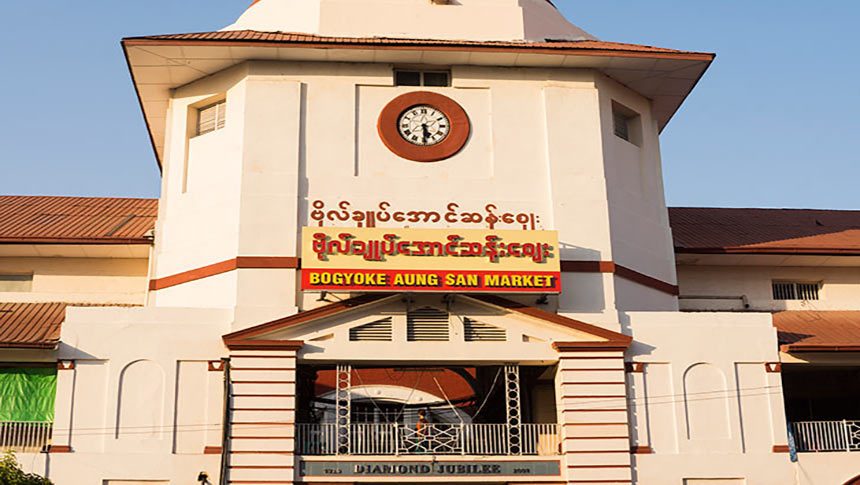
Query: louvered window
x,y
476,331
378,331
627,124
211,118
793,290
427,325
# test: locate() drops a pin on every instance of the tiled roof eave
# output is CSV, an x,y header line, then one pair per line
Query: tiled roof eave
x,y
79,241
286,39
806,251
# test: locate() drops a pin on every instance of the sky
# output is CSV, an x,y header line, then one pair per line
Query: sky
x,y
774,122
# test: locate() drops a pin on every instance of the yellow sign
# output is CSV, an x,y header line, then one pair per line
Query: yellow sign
x,y
441,260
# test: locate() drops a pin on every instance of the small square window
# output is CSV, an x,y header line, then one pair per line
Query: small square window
x,y
211,118
17,283
422,78
626,124
439,79
407,78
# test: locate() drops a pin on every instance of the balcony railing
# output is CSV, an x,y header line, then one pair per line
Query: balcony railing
x,y
433,439
25,436
826,435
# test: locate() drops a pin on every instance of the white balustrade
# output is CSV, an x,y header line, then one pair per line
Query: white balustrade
x,y
817,436
390,439
25,436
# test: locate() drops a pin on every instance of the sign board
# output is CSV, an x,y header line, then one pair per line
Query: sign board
x,y
430,260
387,469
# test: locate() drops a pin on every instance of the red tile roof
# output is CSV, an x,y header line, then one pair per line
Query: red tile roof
x,y
76,220
765,231
35,325
31,325
828,331
552,47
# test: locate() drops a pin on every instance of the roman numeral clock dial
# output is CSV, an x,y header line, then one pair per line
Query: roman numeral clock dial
x,y
424,127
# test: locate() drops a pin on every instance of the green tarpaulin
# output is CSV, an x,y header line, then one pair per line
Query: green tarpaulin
x,y
27,394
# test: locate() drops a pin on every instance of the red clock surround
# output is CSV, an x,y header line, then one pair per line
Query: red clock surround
x,y
461,128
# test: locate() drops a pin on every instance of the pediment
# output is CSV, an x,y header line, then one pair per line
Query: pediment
x,y
429,328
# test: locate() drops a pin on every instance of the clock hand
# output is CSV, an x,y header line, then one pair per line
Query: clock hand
x,y
426,131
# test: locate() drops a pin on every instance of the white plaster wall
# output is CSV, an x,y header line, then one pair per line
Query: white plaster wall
x,y
705,403
639,221
79,280
534,20
139,403
839,291
303,132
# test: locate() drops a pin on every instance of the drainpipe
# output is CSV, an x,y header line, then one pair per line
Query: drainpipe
x,y
225,426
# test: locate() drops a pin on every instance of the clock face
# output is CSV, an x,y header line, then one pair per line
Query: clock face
x,y
423,125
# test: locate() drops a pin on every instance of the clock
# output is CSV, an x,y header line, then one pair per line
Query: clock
x,y
424,127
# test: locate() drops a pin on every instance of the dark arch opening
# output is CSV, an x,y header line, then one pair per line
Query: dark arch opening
x,y
854,481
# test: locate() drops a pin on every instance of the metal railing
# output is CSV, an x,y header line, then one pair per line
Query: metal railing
x,y
431,439
826,435
25,436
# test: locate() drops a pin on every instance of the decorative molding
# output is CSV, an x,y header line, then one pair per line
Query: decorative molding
x,y
641,450
242,344
213,450
781,449
216,366
241,262
773,367
290,262
620,271
634,367
65,365
608,345
59,449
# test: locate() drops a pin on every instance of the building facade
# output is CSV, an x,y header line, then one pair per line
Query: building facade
x,y
407,241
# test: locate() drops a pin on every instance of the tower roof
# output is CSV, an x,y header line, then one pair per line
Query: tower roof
x,y
474,20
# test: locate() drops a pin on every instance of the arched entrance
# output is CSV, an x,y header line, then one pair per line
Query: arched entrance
x,y
854,481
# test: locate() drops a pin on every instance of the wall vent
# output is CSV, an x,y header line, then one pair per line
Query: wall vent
x,y
427,325
793,290
476,331
378,331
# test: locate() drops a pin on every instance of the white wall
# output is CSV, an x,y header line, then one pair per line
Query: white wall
x,y
298,133
78,280
141,402
839,291
705,403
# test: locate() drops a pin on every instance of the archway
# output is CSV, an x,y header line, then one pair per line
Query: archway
x,y
854,481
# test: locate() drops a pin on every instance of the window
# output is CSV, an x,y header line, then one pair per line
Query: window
x,y
794,290
422,78
211,118
626,124
16,282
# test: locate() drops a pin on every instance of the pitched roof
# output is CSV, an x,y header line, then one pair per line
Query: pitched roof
x,y
256,37
811,331
765,231
36,325
245,339
76,220
31,325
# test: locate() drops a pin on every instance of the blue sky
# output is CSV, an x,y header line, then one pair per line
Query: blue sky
x,y
774,123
